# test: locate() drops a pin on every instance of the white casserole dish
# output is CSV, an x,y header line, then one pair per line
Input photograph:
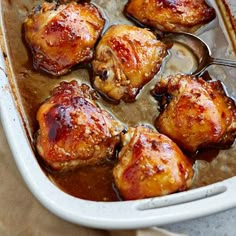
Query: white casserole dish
x,y
105,215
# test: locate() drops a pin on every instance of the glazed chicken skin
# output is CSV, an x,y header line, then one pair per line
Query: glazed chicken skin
x,y
126,58
150,165
171,15
73,130
61,36
199,113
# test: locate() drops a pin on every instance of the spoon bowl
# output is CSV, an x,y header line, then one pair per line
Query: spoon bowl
x,y
199,49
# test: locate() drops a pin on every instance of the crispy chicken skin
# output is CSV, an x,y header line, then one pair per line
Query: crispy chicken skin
x,y
150,165
73,130
126,58
61,36
171,15
199,113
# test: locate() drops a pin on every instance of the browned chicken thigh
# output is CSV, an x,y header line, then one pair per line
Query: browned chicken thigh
x,y
126,58
171,15
61,36
199,113
73,130
150,165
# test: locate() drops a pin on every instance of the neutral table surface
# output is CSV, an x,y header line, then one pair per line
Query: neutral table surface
x,y
22,215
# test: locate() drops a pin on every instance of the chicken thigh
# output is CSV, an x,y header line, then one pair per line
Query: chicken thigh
x,y
61,36
73,130
171,15
199,113
126,58
150,165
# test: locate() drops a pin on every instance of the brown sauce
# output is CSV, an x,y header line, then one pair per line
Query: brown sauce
x,y
178,63
208,154
33,87
91,183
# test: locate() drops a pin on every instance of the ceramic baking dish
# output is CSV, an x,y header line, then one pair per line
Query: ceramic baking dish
x,y
105,215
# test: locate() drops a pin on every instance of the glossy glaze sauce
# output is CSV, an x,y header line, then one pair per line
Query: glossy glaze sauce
x,y
92,182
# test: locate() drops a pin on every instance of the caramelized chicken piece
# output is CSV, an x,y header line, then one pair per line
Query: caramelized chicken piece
x,y
171,15
199,113
73,130
126,58
62,36
150,165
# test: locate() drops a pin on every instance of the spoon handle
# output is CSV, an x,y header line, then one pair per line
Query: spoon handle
x,y
223,62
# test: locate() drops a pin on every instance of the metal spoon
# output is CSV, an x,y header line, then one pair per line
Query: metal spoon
x,y
198,48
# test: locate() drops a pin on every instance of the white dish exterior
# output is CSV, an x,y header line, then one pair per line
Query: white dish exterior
x,y
105,215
